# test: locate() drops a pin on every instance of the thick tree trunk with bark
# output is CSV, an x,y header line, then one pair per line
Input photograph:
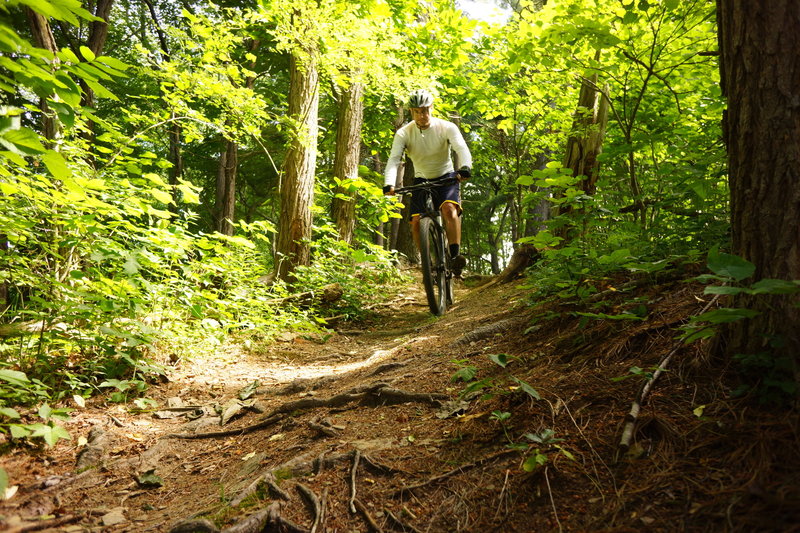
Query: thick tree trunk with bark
x,y
297,189
350,117
760,75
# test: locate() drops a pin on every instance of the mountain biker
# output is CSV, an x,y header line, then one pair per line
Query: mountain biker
x,y
427,140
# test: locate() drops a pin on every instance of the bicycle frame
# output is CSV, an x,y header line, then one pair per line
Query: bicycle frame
x,y
436,273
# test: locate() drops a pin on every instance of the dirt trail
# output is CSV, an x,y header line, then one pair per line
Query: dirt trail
x,y
366,430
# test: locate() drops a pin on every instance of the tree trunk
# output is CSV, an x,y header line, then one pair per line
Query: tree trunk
x,y
350,117
586,141
405,241
225,200
297,190
43,38
760,76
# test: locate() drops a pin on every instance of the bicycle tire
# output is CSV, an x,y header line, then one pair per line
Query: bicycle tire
x,y
431,243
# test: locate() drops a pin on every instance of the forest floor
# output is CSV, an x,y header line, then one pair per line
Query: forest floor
x,y
370,429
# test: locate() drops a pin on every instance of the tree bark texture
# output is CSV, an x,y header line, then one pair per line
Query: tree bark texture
x,y
225,200
586,141
405,241
350,117
297,190
760,75
43,38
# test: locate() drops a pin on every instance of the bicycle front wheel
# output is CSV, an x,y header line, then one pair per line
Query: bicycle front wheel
x,y
431,243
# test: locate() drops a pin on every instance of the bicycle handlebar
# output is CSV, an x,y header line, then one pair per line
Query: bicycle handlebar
x,y
428,184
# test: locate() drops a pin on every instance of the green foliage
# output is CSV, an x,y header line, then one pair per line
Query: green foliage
x,y
364,273
731,270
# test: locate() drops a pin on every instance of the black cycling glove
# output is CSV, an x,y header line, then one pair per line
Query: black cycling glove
x,y
465,172
387,188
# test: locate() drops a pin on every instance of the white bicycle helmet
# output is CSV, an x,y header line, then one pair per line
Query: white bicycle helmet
x,y
420,98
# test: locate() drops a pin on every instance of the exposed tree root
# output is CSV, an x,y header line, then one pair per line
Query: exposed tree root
x,y
266,520
373,525
375,394
267,479
356,459
487,331
44,524
316,506
459,470
399,523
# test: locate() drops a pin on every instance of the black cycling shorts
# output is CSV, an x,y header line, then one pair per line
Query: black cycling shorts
x,y
441,195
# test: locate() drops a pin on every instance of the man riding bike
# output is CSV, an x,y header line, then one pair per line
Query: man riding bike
x,y
427,140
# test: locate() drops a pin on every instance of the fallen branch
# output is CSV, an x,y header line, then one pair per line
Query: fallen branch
x,y
459,470
636,407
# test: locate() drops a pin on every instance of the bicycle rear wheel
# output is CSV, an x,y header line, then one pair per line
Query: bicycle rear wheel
x,y
432,252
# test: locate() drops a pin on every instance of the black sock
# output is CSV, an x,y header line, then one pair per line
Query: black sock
x,y
454,250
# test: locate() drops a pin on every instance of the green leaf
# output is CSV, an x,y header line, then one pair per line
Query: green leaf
x,y
500,359
57,165
50,434
465,374
729,265
45,411
19,432
9,413
776,286
724,289
725,315
22,141
87,53
530,391
14,377
534,461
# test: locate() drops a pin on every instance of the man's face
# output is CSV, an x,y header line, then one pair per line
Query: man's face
x,y
422,116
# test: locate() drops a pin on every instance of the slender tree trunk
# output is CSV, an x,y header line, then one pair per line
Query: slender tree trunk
x,y
350,115
297,189
225,200
405,241
43,38
760,75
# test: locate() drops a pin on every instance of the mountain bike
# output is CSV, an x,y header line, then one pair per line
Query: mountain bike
x,y
437,277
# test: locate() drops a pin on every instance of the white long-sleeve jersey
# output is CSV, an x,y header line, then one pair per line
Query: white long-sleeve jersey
x,y
429,150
